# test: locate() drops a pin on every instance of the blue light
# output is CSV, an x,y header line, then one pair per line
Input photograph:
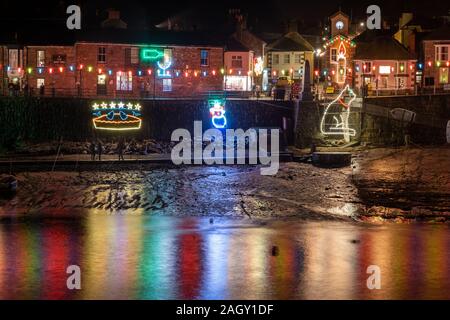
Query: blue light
x,y
71,68
8,68
217,111
110,72
420,66
40,70
139,73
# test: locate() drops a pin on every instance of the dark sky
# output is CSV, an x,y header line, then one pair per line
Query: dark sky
x,y
271,13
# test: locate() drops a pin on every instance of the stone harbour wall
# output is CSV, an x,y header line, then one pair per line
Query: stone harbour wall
x,y
49,119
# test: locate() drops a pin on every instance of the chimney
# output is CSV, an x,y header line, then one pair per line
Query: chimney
x,y
114,20
292,26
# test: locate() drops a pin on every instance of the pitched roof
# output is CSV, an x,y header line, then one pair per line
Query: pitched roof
x,y
235,45
291,41
382,48
129,36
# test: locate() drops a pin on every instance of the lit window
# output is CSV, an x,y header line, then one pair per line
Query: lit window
x,y
101,57
124,81
40,82
167,85
401,67
333,54
443,75
204,57
40,58
13,58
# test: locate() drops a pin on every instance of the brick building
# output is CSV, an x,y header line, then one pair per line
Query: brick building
x,y
436,58
114,62
338,52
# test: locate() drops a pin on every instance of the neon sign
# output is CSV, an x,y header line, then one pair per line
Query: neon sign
x,y
151,54
116,116
217,111
336,115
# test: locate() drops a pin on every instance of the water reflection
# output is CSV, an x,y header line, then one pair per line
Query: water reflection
x,y
143,257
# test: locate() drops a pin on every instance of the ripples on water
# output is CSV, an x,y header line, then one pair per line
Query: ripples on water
x,y
151,257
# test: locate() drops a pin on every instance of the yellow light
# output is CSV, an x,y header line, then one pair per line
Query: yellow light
x,y
89,68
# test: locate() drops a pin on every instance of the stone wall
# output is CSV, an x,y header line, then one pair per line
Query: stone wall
x,y
46,119
383,130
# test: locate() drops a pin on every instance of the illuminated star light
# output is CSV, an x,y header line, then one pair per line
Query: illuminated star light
x,y
104,105
95,106
137,107
129,106
112,105
121,105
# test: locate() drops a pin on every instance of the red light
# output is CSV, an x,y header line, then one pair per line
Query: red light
x,y
448,63
429,63
81,67
19,70
186,74
100,70
214,72
316,72
149,71
50,70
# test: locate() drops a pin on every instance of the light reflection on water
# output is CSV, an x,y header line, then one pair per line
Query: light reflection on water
x,y
151,257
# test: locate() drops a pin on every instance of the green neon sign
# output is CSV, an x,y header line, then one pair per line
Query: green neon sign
x,y
151,54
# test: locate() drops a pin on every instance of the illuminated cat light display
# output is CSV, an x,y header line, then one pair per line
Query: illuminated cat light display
x,y
116,116
336,115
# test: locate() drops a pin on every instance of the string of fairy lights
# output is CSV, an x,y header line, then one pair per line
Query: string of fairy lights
x,y
140,72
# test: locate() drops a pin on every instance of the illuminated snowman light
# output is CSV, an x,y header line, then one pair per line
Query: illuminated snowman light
x,y
217,111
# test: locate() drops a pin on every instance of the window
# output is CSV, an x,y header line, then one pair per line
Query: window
x,y
443,75
367,67
40,58
204,60
124,81
167,85
236,61
333,54
131,56
297,58
385,69
287,58
13,58
401,67
40,82
276,58
101,57
442,53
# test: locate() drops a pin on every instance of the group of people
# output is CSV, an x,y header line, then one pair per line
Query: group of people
x,y
96,149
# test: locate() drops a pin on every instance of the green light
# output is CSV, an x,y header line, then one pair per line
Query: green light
x,y
151,54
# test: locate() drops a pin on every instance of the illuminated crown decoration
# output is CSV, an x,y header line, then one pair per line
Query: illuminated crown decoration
x,y
116,116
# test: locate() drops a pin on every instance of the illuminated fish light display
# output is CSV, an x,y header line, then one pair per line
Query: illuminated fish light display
x,y
116,116
217,111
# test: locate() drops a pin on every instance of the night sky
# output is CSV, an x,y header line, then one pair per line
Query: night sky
x,y
263,14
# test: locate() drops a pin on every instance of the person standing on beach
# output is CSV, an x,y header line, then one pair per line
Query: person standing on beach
x,y
92,150
120,147
99,149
